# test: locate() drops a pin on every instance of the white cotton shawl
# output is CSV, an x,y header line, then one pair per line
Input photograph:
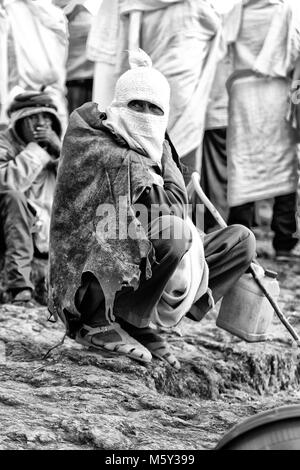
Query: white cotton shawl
x,y
262,153
281,46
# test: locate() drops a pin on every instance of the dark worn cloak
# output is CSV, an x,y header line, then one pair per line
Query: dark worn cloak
x,y
94,170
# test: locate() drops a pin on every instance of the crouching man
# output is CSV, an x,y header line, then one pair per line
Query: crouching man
x,y
114,273
29,151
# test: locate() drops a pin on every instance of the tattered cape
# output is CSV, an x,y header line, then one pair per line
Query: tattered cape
x,y
95,170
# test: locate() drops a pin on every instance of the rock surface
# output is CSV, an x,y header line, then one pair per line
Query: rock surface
x,y
78,399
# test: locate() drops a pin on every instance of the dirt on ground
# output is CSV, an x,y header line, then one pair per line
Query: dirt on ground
x,y
79,399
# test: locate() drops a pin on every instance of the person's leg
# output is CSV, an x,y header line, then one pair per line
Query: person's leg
x,y
243,215
90,301
133,309
214,174
228,253
78,93
16,227
96,331
136,306
284,222
173,241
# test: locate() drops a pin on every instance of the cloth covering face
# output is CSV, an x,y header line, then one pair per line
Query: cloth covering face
x,y
143,132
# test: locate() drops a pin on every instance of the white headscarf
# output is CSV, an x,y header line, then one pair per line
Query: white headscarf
x,y
143,132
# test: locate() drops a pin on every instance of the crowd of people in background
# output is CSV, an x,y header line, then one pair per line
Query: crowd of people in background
x,y
230,65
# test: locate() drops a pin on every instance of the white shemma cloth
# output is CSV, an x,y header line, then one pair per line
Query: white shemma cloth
x,y
262,155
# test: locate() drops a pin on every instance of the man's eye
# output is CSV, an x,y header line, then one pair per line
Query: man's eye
x,y
135,105
156,110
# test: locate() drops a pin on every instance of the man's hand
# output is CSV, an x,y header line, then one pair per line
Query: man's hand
x,y
28,136
48,139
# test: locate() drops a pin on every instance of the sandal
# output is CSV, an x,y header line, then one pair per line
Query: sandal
x,y
113,339
155,343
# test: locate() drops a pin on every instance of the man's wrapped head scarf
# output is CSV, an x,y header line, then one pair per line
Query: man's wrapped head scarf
x,y
144,132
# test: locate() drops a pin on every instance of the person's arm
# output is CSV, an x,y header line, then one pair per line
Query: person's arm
x,y
48,140
171,196
170,201
20,171
174,185
172,175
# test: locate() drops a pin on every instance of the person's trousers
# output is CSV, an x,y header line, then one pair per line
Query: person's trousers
x,y
16,242
214,174
78,93
228,253
213,171
135,307
283,224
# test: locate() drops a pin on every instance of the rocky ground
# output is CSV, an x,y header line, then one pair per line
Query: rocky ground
x,y
78,399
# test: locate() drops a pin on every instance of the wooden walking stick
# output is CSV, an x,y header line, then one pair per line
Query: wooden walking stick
x,y
208,204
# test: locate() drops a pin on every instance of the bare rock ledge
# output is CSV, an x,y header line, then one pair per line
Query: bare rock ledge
x,y
78,399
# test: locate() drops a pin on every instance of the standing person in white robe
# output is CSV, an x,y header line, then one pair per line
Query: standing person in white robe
x,y
182,38
214,155
262,151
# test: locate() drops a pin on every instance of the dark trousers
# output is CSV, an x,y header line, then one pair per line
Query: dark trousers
x,y
214,174
79,92
284,224
213,171
228,253
16,242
